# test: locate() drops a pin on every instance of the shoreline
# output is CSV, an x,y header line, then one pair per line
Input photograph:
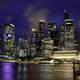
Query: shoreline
x,y
31,62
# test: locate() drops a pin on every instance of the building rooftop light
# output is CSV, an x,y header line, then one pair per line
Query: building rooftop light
x,y
12,25
33,30
68,20
42,20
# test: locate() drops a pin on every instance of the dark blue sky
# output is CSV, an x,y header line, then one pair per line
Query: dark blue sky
x,y
26,13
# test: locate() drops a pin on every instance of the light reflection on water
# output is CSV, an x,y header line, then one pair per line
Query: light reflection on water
x,y
8,71
48,72
14,71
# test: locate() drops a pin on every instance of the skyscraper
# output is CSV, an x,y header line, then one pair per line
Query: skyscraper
x,y
41,35
54,34
69,34
33,42
9,39
47,46
42,28
26,47
22,46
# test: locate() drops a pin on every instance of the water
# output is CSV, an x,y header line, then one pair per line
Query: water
x,y
8,71
15,71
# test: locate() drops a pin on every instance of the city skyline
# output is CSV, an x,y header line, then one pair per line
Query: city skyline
x,y
25,13
39,38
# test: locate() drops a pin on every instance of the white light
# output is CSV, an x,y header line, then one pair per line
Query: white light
x,y
20,39
68,23
33,30
9,35
65,11
68,20
54,27
42,20
12,25
66,51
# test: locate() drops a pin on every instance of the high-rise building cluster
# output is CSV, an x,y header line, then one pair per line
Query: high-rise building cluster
x,y
7,39
40,42
43,41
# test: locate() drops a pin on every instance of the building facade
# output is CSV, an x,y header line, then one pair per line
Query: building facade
x,y
9,39
69,34
23,47
41,35
62,37
47,46
33,42
54,34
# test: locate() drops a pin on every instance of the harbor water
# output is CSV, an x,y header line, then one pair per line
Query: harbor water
x,y
22,71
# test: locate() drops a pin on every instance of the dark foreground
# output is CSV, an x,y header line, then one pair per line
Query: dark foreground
x,y
16,71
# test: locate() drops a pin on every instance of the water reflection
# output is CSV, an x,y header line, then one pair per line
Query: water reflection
x,y
14,71
8,71
22,72
46,72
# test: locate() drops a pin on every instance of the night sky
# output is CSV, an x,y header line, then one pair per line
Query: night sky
x,y
26,13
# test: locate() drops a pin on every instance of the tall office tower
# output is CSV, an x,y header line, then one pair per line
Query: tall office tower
x,y
47,46
69,34
33,43
54,34
21,48
62,37
1,39
26,47
42,28
9,39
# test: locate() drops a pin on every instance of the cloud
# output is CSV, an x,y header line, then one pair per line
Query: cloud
x,y
33,16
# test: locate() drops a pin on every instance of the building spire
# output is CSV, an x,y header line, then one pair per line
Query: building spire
x,y
66,15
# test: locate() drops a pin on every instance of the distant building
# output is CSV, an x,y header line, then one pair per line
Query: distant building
x,y
26,47
69,34
54,34
9,39
41,35
33,42
47,46
42,28
62,37
23,47
21,43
